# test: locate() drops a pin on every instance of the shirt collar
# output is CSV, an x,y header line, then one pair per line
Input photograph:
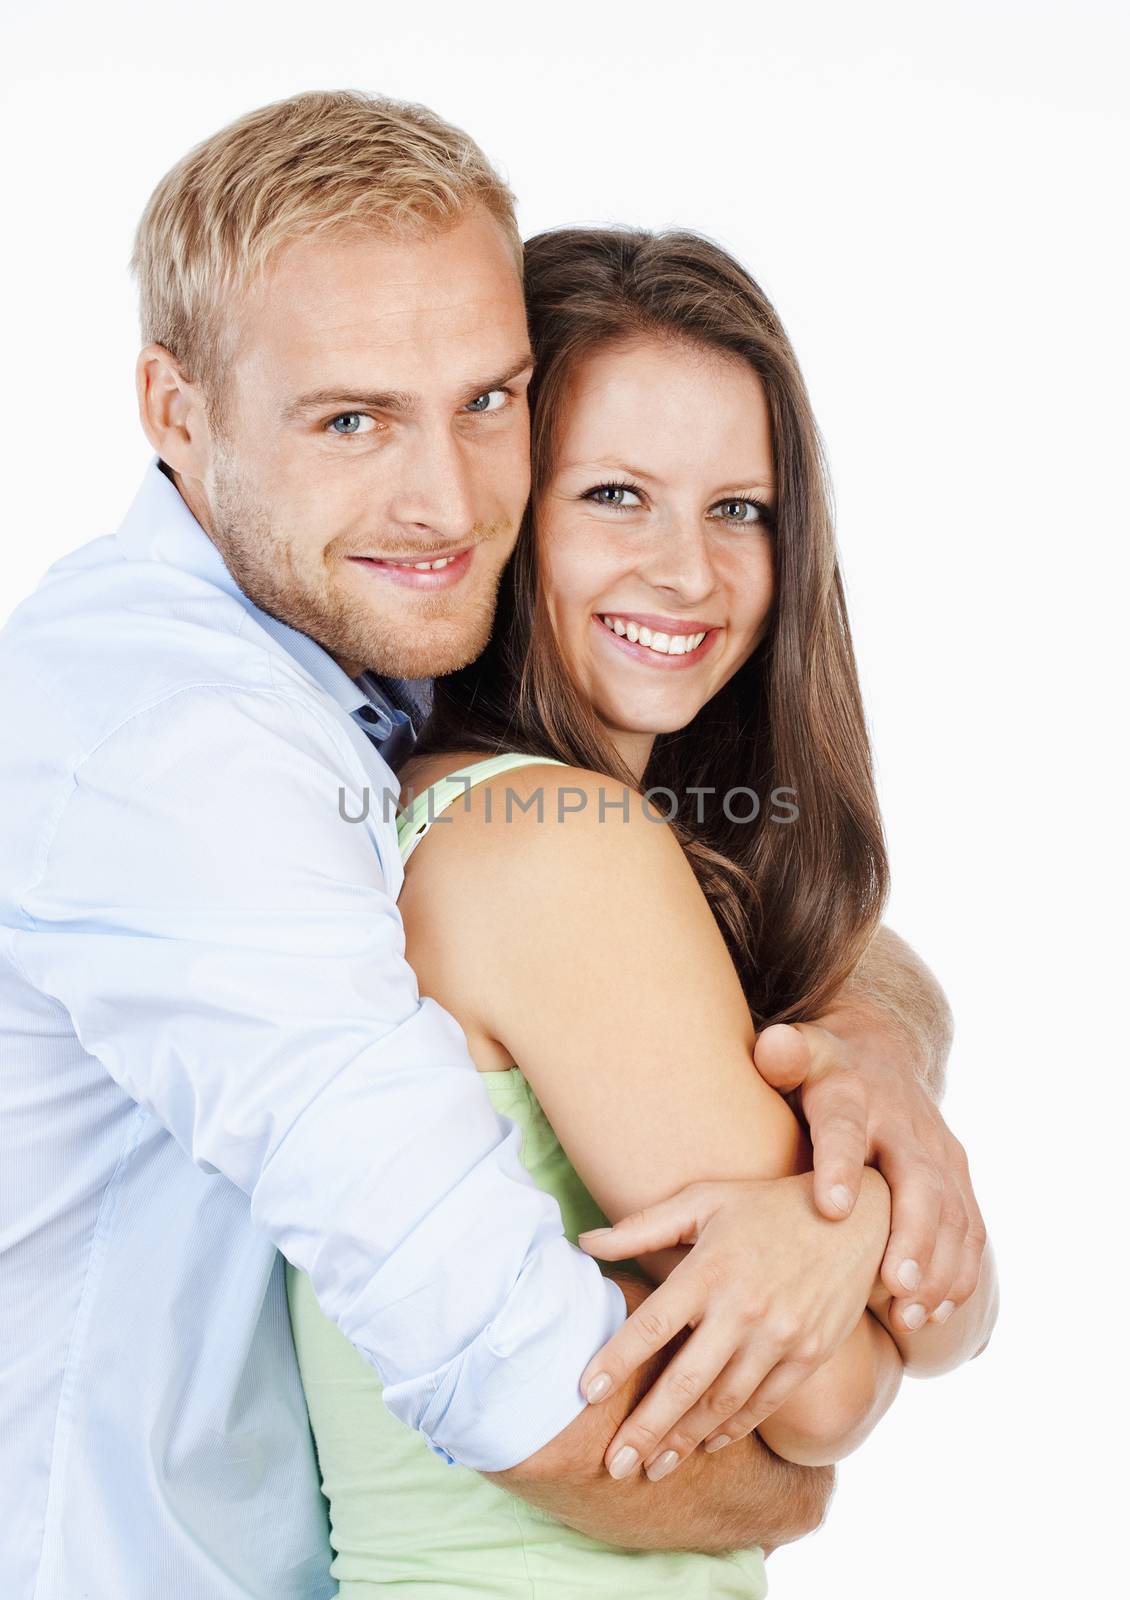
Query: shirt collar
x,y
160,527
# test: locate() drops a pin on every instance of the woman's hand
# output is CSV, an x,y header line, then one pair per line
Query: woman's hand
x,y
771,1289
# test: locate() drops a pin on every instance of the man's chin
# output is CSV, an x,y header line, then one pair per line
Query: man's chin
x,y
423,658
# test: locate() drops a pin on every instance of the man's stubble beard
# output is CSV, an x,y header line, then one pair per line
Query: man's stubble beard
x,y
433,640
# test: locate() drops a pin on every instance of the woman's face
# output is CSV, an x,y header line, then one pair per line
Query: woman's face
x,y
654,531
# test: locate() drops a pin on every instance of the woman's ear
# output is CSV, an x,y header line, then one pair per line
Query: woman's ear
x,y
172,412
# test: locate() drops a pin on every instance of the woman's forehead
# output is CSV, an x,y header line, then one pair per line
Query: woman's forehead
x,y
662,407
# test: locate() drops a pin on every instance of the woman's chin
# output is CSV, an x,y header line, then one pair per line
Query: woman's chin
x,y
652,720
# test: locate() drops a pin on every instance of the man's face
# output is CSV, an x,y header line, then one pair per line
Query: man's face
x,y
375,418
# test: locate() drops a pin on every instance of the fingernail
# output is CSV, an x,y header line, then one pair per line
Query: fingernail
x,y
591,1233
914,1316
722,1440
910,1274
944,1312
660,1469
841,1197
598,1388
623,1462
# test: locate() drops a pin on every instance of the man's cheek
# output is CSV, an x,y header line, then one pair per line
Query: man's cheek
x,y
517,471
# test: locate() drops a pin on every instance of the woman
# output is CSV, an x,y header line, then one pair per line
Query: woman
x,y
672,622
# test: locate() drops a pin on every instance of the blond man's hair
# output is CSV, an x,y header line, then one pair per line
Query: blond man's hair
x,y
316,163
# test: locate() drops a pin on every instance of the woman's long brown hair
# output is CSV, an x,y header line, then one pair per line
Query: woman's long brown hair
x,y
797,901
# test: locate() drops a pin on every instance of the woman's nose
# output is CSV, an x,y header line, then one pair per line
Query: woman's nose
x,y
681,563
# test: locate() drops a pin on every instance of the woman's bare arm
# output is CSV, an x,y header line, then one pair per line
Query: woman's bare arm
x,y
585,948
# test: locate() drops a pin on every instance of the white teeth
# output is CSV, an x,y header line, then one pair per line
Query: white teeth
x,y
422,566
665,644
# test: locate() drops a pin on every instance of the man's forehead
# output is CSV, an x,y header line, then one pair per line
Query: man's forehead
x,y
354,308
438,274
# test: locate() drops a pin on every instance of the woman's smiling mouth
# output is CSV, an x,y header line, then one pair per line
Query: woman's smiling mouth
x,y
660,641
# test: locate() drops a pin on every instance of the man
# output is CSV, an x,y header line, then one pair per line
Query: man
x,y
212,1044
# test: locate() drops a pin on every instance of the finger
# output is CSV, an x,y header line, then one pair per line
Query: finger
x,y
968,1272
912,1312
686,1378
836,1107
658,1227
735,1404
782,1056
969,1268
651,1325
779,1385
916,1208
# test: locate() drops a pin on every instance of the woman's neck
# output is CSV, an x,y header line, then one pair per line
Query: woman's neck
x,y
634,749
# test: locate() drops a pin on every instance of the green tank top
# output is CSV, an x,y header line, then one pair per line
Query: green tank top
x,y
402,1517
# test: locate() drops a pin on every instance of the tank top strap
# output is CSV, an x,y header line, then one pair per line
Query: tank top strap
x,y
413,823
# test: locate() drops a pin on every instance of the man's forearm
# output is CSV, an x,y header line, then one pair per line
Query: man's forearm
x,y
731,1499
894,983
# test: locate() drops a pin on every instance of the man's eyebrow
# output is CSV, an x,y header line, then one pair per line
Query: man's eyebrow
x,y
344,399
515,369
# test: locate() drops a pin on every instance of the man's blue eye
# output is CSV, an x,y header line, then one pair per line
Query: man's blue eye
x,y
352,421
482,402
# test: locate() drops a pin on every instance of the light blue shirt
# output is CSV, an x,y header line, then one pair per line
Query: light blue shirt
x,y
211,1045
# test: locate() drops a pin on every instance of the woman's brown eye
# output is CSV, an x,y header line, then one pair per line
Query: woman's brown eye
x,y
617,496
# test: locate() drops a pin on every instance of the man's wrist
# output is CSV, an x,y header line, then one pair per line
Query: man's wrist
x,y
893,997
576,1455
877,1040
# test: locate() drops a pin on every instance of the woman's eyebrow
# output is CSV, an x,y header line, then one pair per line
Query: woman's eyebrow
x,y
756,482
608,464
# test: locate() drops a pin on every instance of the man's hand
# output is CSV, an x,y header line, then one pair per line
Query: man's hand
x,y
865,1099
771,1290
718,1502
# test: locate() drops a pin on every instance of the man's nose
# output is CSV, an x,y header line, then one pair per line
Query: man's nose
x,y
435,488
680,561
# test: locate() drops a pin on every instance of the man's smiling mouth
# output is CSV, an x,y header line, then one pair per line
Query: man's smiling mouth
x,y
422,571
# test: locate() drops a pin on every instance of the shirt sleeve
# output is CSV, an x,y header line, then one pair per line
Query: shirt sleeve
x,y
226,945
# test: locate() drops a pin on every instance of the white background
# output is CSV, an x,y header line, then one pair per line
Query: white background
x,y
933,198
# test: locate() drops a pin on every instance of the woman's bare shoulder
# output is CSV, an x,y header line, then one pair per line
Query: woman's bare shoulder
x,y
420,772
547,829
